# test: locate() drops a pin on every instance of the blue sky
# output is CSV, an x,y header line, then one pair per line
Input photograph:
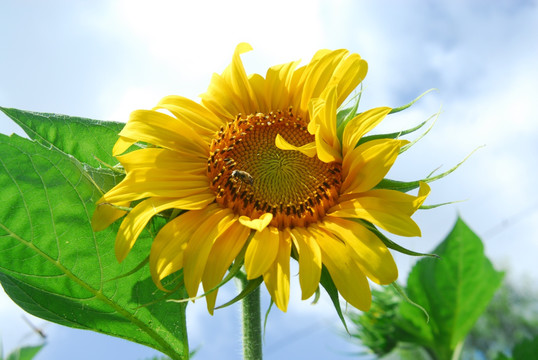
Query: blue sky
x,y
103,59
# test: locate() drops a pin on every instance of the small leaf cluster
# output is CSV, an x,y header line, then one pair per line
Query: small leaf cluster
x,y
454,290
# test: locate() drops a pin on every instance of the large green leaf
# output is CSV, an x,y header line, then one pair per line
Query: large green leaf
x,y
85,139
454,290
55,267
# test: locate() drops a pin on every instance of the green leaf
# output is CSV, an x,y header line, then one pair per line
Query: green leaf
x,y
55,267
25,353
524,350
391,244
433,206
393,135
233,272
85,139
345,115
267,312
454,290
104,179
501,356
527,349
398,109
405,186
327,282
408,146
250,287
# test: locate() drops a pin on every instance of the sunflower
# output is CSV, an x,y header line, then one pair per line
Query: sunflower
x,y
260,168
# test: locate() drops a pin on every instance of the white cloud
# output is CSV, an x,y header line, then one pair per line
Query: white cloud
x,y
130,100
170,47
195,38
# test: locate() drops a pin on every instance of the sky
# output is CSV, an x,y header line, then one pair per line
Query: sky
x,y
104,59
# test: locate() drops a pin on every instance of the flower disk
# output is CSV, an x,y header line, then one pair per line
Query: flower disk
x,y
252,176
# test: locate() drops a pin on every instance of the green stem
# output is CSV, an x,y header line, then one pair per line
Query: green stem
x,y
456,355
252,327
183,331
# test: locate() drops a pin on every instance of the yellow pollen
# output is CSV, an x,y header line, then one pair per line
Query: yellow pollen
x,y
250,175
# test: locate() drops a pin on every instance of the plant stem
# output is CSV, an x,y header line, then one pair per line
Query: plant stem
x,y
183,331
456,355
252,329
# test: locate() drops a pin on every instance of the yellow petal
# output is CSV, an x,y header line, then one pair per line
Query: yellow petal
x,y
320,54
387,218
315,107
389,209
166,256
423,192
220,99
323,125
277,277
231,93
373,257
224,251
325,152
366,165
161,130
199,246
307,149
106,213
345,273
152,158
309,260
327,117
295,88
191,113
144,183
278,85
405,203
360,125
138,217
318,74
348,75
237,79
258,85
329,68
261,252
122,144
256,224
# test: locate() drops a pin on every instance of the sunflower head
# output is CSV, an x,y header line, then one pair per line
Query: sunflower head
x,y
261,171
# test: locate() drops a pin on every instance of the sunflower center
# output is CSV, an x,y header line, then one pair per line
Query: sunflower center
x,y
250,175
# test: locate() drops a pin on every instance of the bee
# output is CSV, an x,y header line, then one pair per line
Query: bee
x,y
242,176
